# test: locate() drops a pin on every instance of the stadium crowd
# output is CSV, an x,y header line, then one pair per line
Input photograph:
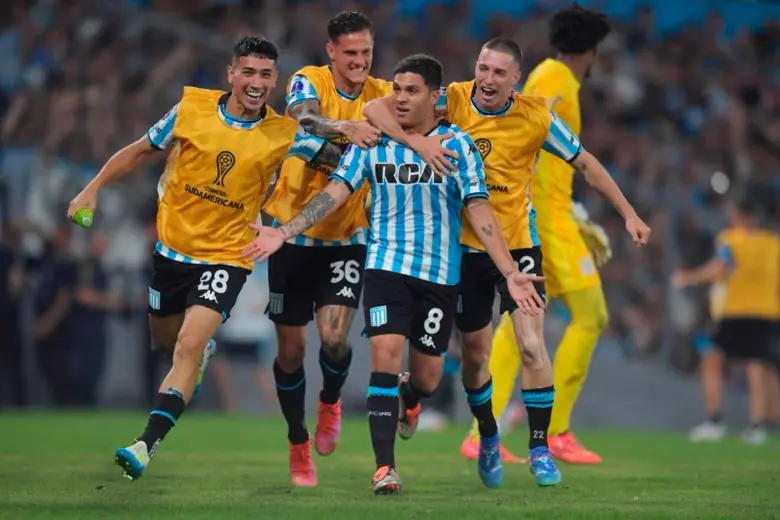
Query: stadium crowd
x,y
680,116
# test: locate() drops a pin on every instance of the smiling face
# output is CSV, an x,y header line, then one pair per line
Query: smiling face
x,y
252,79
495,74
351,55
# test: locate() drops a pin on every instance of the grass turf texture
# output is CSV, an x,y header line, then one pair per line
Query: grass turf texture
x,y
60,465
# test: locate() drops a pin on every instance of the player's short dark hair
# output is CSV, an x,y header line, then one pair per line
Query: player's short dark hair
x,y
507,45
577,30
255,46
348,22
428,67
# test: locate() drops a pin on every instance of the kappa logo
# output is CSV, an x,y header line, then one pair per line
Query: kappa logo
x,y
346,292
210,296
427,341
484,147
225,162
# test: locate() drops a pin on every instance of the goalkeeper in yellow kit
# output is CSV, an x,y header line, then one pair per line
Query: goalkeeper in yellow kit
x,y
572,246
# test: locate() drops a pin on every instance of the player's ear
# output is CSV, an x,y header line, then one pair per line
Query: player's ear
x,y
229,71
330,49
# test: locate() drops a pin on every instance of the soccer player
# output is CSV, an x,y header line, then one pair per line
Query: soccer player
x,y
746,273
413,262
319,273
509,130
569,243
226,148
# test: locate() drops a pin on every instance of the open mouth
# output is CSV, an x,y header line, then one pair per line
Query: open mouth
x,y
401,111
487,92
255,96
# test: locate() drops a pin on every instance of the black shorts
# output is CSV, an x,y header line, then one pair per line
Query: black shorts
x,y
177,286
479,281
421,311
301,279
747,338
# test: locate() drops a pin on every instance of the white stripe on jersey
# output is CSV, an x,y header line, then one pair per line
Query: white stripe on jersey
x,y
161,133
415,215
561,141
301,89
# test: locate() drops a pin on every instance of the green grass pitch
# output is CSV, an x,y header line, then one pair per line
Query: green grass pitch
x,y
61,466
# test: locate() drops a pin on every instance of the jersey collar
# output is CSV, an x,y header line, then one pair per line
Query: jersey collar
x,y
340,92
235,122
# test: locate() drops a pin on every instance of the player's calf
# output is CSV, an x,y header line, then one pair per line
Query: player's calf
x,y
335,359
410,393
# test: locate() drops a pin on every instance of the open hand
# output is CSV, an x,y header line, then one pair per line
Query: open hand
x,y
361,133
440,159
266,243
523,292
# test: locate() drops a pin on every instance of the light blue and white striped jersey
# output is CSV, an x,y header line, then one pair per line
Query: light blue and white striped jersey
x,y
415,216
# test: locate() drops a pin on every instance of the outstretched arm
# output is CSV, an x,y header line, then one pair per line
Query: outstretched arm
x,y
322,205
565,144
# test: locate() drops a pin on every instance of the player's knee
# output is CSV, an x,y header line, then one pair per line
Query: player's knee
x,y
387,354
188,351
291,347
336,347
475,357
532,351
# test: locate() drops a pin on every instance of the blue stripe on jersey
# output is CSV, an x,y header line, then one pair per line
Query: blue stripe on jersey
x,y
420,231
561,141
441,102
170,254
305,145
301,90
436,243
160,134
380,211
399,223
532,225
416,216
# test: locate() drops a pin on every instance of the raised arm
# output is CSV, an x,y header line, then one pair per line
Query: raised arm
x,y
565,144
126,160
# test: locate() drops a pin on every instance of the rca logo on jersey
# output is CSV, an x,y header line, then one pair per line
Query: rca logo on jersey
x,y
484,147
427,341
346,292
225,162
407,173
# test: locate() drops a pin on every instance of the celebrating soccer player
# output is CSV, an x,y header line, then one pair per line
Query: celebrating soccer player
x,y
227,148
509,131
413,262
745,278
320,273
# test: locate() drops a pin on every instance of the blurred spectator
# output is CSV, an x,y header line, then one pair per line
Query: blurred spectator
x,y
93,301
12,278
53,305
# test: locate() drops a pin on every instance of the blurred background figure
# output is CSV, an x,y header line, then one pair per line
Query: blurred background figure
x,y
248,338
682,106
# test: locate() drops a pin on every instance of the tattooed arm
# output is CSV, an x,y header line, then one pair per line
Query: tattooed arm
x,y
489,232
308,115
329,155
322,205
